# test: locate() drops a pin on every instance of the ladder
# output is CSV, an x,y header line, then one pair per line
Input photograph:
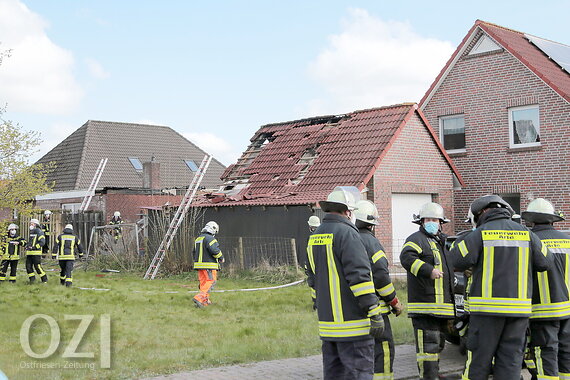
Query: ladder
x,y
177,219
93,185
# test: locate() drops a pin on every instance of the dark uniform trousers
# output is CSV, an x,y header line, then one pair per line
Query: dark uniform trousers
x,y
429,344
550,349
351,360
499,337
35,262
13,264
66,269
384,353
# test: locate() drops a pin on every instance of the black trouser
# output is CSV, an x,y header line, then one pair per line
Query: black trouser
x,y
498,338
45,248
384,352
550,348
66,269
4,268
429,343
352,360
35,262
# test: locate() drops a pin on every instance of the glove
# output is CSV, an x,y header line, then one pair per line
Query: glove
x,y
468,273
377,326
397,306
53,257
222,260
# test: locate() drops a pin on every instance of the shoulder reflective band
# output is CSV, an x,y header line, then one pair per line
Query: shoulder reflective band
x,y
213,242
413,245
462,248
377,256
416,266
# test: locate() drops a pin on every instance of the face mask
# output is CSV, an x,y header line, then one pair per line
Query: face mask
x,y
431,227
32,227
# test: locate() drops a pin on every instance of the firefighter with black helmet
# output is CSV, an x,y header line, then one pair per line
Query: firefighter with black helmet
x,y
502,254
550,320
430,287
347,306
66,246
366,220
11,253
207,259
34,252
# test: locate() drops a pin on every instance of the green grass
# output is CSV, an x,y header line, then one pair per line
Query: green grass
x,y
153,332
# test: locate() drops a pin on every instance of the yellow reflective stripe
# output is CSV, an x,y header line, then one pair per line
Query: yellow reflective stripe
x,y
544,249
41,270
218,255
213,242
505,235
438,283
416,266
311,258
444,309
465,375
334,285
413,245
538,360
199,244
523,272
321,239
377,256
543,287
549,310
427,357
205,265
386,349
383,376
500,305
357,327
546,377
366,287
557,243
567,272
488,264
386,290
463,248
31,274
199,239
564,375
313,293
420,343
529,363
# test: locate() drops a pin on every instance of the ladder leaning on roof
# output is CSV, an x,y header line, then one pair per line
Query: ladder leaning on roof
x,y
177,219
93,185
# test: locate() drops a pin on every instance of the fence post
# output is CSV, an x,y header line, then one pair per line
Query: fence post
x,y
294,254
240,253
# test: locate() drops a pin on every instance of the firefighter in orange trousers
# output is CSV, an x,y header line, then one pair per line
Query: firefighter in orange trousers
x,y
207,259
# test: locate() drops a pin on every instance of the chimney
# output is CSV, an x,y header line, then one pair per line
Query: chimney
x,y
151,174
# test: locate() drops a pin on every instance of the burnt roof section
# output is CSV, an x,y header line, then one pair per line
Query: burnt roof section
x,y
78,156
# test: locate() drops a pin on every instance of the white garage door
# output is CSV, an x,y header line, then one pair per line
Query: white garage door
x,y
404,206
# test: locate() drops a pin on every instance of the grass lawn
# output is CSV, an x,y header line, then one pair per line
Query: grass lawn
x,y
154,332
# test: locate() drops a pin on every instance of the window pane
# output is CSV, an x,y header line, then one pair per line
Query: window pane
x,y
514,200
136,163
191,165
525,126
454,133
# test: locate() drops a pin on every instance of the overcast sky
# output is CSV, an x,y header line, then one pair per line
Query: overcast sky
x,y
215,71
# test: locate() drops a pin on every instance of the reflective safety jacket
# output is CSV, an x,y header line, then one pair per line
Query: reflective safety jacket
x,y
35,243
46,228
503,255
550,296
206,252
421,253
12,247
340,269
380,275
66,245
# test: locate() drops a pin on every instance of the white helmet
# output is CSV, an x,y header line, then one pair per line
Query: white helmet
x,y
35,221
430,210
68,226
211,227
314,221
541,211
117,214
12,227
367,212
346,196
47,212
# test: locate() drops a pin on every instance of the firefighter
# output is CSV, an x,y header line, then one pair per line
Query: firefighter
x,y
34,252
65,247
502,255
366,220
11,253
550,319
350,316
314,222
117,231
430,287
207,259
46,227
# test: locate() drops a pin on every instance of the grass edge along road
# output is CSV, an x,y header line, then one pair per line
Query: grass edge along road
x,y
154,332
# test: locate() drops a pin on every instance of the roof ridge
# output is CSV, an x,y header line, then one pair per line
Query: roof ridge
x,y
479,22
127,123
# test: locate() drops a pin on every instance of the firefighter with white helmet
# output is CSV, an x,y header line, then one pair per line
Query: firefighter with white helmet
x,y
550,320
314,222
116,220
502,254
430,287
66,246
34,249
46,227
207,259
339,270
366,220
11,249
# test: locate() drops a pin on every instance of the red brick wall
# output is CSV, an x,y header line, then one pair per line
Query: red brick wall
x,y
483,88
130,204
413,164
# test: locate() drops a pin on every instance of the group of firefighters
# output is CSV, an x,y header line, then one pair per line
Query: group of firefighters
x,y
517,290
66,248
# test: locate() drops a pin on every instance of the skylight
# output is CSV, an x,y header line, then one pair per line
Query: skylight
x,y
191,165
136,163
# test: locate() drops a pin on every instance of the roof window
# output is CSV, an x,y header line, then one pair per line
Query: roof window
x,y
191,165
136,164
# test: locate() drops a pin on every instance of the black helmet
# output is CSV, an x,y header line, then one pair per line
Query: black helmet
x,y
489,201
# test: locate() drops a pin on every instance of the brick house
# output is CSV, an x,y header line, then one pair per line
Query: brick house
x,y
148,165
386,152
502,105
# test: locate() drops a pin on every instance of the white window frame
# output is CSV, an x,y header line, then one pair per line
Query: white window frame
x,y
442,137
511,131
71,207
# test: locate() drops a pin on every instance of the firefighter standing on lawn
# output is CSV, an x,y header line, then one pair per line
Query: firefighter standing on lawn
x,y
66,245
347,306
430,288
46,227
11,253
503,255
207,256
366,219
314,222
34,252
550,320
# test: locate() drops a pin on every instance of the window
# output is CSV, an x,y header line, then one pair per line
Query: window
x,y
136,164
514,200
191,165
71,207
452,132
524,126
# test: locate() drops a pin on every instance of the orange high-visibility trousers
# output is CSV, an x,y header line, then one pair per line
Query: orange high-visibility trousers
x,y
207,278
